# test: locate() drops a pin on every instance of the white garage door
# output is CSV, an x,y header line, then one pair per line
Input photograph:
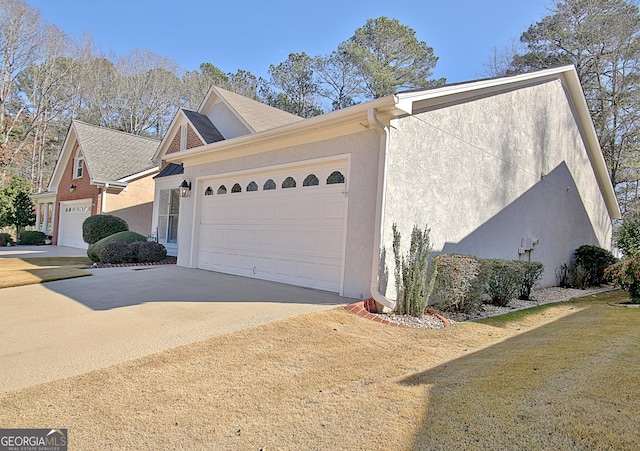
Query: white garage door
x,y
286,225
72,215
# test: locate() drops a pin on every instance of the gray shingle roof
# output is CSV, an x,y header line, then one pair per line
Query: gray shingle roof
x,y
258,115
204,126
112,155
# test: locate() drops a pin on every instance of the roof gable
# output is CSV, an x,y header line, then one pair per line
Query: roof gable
x,y
109,155
203,126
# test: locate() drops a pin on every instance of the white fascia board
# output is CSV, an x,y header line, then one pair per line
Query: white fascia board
x,y
139,175
109,183
313,129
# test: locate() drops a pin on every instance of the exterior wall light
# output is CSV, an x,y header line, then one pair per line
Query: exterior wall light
x,y
185,188
72,188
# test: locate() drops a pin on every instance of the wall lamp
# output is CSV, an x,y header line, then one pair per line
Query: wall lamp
x,y
72,188
185,187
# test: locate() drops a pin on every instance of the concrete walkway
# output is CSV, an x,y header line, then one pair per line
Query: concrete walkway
x,y
40,251
68,327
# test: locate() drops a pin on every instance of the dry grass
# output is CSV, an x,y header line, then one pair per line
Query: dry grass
x,y
18,271
563,377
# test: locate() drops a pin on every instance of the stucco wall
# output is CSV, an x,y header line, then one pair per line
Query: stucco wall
x,y
363,149
486,173
134,205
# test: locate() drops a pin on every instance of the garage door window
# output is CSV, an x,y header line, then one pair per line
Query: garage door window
x,y
289,182
168,217
335,178
269,184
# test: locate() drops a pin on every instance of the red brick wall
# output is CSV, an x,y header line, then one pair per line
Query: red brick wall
x,y
83,191
175,144
192,138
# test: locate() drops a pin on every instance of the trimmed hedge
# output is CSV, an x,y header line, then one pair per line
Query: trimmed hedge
x,y
459,282
126,237
136,252
503,281
97,227
32,237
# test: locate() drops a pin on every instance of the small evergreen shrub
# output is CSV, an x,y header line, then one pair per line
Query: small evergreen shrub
x,y
627,237
504,281
594,260
459,282
149,252
5,238
126,237
32,237
626,274
411,272
118,252
530,274
97,227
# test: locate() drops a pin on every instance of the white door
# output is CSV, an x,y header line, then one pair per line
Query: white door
x,y
72,215
286,225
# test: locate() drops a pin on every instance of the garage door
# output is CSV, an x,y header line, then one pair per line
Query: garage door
x,y
72,215
286,225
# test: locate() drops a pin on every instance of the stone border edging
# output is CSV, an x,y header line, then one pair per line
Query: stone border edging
x,y
367,308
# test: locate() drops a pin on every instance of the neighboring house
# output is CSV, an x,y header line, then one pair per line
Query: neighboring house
x,y
99,171
508,168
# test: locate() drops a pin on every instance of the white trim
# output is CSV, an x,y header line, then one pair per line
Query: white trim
x,y
139,175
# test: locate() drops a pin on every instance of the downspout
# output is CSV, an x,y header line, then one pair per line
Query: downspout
x,y
378,238
103,201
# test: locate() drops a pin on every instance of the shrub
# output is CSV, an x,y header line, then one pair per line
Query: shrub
x,y
627,237
149,252
126,237
504,281
411,272
626,274
572,275
118,252
594,260
530,274
5,238
97,227
32,237
459,281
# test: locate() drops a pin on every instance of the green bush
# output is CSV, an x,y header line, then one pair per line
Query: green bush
x,y
118,252
594,260
627,237
530,274
97,227
149,252
504,281
459,281
126,237
32,237
411,272
626,274
5,238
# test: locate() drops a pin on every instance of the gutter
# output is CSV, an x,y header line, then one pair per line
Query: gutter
x,y
378,239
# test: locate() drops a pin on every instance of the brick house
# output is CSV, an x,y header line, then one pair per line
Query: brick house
x,y
99,171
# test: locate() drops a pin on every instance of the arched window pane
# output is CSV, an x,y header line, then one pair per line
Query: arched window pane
x,y
253,186
222,189
236,188
311,180
335,177
208,191
289,182
269,184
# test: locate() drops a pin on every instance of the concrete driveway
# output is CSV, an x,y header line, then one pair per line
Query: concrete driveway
x,y
68,327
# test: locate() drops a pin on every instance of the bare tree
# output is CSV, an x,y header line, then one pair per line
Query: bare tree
x,y
338,78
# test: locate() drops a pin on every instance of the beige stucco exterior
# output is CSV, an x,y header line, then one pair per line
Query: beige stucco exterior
x,y
491,167
134,204
487,172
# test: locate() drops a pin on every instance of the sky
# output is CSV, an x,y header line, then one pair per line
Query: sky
x,y
251,35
